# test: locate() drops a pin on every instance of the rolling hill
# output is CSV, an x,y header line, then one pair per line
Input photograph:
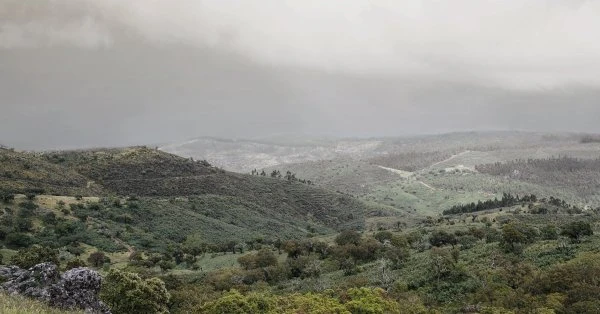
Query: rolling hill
x,y
148,198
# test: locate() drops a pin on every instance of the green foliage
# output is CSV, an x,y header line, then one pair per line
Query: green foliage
x,y
20,305
18,240
98,259
442,238
194,244
235,303
549,232
348,237
75,263
127,292
516,234
29,257
263,258
354,301
6,197
576,230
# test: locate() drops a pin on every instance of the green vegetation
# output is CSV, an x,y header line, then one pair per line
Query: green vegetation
x,y
126,292
431,231
20,305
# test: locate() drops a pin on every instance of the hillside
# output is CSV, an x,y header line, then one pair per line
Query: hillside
x,y
245,155
149,199
30,172
410,152
448,231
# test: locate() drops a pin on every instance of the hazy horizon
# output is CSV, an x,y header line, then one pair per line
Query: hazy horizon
x,y
107,73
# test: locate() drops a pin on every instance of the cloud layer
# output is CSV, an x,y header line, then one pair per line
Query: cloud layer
x,y
112,72
512,44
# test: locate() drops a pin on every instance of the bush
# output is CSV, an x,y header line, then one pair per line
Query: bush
x,y
27,258
348,237
549,232
442,238
264,258
75,263
98,259
16,239
127,292
515,235
576,230
6,197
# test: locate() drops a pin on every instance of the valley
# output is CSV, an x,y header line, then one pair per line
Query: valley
x,y
416,225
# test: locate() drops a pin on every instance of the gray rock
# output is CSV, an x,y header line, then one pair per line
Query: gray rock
x,y
76,289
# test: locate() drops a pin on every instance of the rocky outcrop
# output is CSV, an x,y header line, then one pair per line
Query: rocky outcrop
x,y
76,289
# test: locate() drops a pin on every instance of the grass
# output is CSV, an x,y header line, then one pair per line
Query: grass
x,y
21,305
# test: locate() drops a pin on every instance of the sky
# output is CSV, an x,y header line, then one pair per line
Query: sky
x,y
88,73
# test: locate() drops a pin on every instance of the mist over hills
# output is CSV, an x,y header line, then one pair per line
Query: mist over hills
x,y
340,156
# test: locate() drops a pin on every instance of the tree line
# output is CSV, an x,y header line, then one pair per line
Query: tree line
x,y
276,174
507,200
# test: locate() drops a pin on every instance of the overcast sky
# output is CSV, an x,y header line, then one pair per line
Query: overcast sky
x,y
77,73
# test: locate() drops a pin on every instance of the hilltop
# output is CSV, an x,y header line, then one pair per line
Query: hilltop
x,y
143,197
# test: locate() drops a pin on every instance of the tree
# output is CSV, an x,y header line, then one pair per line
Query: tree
x,y
27,258
17,239
166,265
98,259
264,258
442,238
515,235
126,292
576,230
194,244
6,197
441,263
348,237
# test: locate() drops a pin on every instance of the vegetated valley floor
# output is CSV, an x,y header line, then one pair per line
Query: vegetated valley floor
x,y
519,233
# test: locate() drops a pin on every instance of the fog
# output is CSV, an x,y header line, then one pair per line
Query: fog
x,y
82,73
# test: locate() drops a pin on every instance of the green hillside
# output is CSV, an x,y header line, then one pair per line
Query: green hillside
x,y
150,199
31,172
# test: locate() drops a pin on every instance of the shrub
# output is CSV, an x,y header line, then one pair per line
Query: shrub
x,y
75,263
264,258
549,232
6,197
348,237
576,230
27,258
17,239
383,236
515,235
126,292
98,259
442,238
234,302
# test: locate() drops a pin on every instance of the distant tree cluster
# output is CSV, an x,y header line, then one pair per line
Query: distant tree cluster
x,y
507,200
276,174
586,139
579,175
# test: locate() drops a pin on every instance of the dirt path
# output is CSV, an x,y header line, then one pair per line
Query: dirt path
x,y
450,158
406,175
402,173
427,185
129,248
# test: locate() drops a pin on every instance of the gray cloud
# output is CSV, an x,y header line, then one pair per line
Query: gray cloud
x,y
514,44
89,73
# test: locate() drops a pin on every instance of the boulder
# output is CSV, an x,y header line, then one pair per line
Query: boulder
x,y
76,289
